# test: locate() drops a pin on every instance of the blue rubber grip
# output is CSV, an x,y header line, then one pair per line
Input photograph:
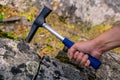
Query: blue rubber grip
x,y
95,63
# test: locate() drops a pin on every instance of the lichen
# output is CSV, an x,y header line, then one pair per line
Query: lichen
x,y
32,67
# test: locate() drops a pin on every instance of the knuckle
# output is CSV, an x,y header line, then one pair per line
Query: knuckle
x,y
75,55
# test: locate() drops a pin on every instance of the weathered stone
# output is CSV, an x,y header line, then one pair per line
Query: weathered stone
x,y
110,69
20,5
18,61
76,11
53,69
90,11
93,11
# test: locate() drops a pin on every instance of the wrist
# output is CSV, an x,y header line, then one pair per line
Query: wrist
x,y
98,45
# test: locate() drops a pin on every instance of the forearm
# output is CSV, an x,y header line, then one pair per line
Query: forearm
x,y
108,40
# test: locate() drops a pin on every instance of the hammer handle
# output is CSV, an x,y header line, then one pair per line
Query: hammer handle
x,y
95,63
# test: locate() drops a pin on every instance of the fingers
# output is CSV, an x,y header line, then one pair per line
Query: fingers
x,y
71,52
76,54
80,58
87,63
84,59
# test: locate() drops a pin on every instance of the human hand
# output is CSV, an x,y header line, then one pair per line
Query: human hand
x,y
80,50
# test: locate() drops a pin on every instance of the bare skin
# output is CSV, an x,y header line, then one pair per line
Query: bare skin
x,y
96,47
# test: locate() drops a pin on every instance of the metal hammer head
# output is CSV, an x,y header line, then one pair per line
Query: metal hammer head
x,y
38,23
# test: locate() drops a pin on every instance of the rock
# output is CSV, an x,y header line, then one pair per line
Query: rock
x,y
75,11
92,12
53,69
20,5
18,61
110,69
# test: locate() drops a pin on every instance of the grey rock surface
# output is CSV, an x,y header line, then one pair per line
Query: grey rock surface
x,y
110,69
19,61
91,11
53,69
20,5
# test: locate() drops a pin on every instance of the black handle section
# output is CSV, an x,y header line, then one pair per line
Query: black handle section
x,y
38,22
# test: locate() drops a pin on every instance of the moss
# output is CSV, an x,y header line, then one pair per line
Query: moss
x,y
30,15
1,16
11,35
116,50
63,59
8,35
66,60
100,28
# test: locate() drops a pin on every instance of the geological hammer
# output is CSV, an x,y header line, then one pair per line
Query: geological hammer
x,y
40,22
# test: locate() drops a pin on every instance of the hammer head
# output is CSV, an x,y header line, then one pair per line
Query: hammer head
x,y
38,22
